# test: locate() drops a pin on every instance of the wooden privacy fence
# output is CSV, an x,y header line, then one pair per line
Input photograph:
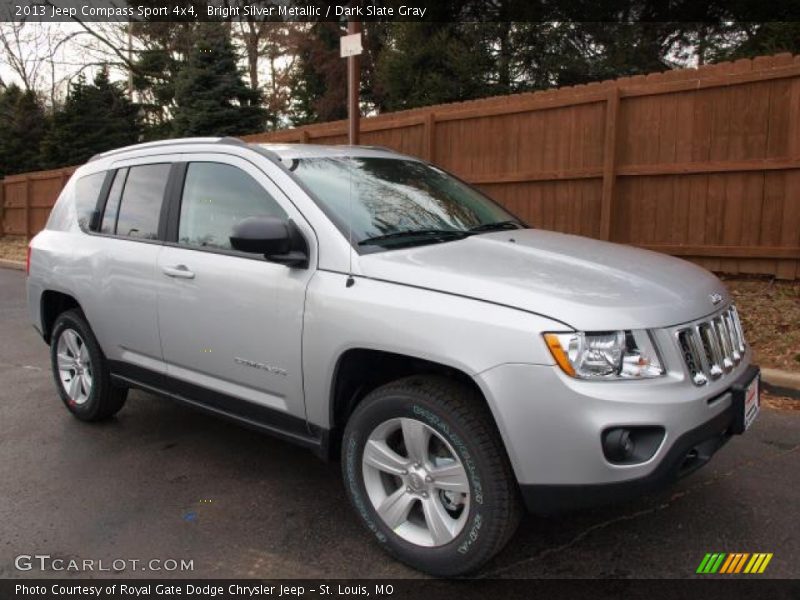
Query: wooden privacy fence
x,y
700,163
26,200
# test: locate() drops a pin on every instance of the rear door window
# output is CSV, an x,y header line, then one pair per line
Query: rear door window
x,y
140,206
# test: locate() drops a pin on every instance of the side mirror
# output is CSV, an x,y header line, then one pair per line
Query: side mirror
x,y
279,240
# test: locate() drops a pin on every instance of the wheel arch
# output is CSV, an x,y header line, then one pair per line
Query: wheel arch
x,y
358,371
51,304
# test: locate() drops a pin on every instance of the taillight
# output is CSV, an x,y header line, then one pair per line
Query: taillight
x,y
28,262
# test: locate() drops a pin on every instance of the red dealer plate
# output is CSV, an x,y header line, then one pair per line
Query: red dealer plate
x,y
752,403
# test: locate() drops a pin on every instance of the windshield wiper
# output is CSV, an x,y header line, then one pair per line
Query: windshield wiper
x,y
425,235
498,226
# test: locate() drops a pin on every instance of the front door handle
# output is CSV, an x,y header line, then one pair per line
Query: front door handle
x,y
180,271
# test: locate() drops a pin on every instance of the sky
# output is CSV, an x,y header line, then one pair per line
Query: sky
x,y
81,52
70,57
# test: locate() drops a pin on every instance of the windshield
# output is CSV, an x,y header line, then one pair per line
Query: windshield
x,y
386,200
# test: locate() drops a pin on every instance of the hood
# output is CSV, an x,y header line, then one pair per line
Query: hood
x,y
585,283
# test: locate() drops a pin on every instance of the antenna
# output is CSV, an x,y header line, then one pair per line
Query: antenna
x,y
350,281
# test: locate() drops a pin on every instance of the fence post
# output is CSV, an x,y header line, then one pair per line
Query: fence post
x,y
304,136
609,163
430,137
2,205
27,206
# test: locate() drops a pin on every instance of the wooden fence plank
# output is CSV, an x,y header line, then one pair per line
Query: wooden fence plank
x,y
609,163
726,251
27,207
710,166
430,137
790,230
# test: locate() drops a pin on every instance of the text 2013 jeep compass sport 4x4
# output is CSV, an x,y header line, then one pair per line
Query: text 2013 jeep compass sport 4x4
x,y
363,303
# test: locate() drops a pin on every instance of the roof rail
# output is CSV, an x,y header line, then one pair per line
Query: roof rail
x,y
386,148
232,140
266,152
173,142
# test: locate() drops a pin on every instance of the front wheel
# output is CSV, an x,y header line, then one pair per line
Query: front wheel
x,y
427,473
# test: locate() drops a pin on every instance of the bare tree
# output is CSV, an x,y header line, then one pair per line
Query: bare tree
x,y
47,57
40,55
24,48
269,51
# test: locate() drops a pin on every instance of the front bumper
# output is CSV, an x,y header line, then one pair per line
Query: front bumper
x,y
552,430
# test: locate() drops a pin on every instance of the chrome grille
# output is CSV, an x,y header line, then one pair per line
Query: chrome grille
x,y
712,347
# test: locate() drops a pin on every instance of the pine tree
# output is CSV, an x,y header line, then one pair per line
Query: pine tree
x,y
22,127
319,77
760,38
319,81
432,63
95,117
165,47
210,96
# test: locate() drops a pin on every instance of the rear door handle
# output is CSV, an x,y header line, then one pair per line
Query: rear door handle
x,y
180,271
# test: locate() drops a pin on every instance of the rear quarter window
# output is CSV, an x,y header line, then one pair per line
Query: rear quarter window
x,y
87,192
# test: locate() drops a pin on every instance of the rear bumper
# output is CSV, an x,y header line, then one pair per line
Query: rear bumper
x,y
692,450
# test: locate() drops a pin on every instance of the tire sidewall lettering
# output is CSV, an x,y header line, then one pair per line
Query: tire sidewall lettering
x,y
352,456
442,427
466,457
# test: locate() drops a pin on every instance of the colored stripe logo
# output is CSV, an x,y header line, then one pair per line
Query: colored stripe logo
x,y
735,562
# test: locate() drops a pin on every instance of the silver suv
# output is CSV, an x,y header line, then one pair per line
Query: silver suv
x,y
369,305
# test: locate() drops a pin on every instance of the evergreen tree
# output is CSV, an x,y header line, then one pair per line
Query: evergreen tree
x,y
22,127
757,39
210,96
319,79
165,47
433,63
319,82
95,117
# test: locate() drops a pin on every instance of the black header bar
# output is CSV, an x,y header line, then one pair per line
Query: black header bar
x,y
710,11
731,588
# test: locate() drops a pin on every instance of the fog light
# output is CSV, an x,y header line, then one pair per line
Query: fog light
x,y
631,445
618,445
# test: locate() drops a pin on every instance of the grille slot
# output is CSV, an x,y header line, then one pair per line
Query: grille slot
x,y
691,357
713,347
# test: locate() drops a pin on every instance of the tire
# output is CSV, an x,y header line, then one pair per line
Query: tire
x,y
80,370
443,532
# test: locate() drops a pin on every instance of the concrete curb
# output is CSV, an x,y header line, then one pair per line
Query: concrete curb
x,y
12,264
783,383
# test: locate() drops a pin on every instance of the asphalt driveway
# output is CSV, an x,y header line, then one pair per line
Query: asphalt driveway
x,y
163,482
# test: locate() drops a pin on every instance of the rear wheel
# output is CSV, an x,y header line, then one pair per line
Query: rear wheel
x,y
80,370
427,473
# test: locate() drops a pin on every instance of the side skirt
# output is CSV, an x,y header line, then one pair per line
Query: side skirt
x,y
250,415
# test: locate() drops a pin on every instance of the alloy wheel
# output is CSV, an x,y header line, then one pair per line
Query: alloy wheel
x,y
416,482
74,366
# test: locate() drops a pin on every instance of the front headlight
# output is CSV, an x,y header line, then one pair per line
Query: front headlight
x,y
606,354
